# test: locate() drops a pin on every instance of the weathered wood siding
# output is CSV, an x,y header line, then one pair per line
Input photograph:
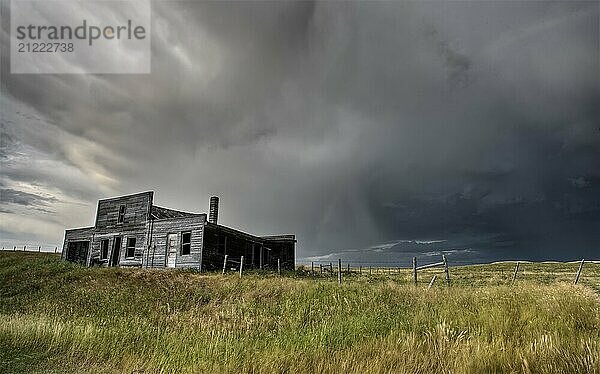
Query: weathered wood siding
x,y
75,235
137,210
140,235
134,225
156,257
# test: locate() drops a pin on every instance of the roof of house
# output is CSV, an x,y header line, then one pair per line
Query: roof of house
x,y
274,238
162,213
255,238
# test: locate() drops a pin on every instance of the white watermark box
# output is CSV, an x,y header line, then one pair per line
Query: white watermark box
x,y
80,37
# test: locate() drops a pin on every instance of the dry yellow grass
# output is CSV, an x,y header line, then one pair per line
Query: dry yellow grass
x,y
56,317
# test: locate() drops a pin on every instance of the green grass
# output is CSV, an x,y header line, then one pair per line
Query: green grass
x,y
56,317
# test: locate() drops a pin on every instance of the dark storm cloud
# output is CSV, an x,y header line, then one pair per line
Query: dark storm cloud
x,y
457,64
350,124
10,196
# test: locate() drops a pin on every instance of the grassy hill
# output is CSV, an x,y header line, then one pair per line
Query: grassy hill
x,y
57,317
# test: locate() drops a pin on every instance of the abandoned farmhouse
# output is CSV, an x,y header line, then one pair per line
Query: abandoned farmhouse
x,y
132,231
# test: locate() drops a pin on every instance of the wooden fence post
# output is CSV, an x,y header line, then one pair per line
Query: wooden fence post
x,y
369,270
241,265
360,269
55,249
579,271
331,268
415,270
446,269
514,277
339,270
278,267
312,268
225,264
321,266
348,271
432,281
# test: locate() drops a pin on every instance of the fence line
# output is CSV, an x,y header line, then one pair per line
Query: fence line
x,y
32,248
329,270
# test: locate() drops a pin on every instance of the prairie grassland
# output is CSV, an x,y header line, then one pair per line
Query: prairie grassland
x,y
57,317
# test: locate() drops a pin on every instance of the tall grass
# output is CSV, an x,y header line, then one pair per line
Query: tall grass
x,y
59,317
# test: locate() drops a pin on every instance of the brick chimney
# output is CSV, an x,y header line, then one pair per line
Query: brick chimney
x,y
213,213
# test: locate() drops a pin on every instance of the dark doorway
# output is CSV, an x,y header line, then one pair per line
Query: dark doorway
x,y
116,252
78,251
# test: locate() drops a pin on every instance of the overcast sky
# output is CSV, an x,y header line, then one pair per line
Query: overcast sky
x,y
351,125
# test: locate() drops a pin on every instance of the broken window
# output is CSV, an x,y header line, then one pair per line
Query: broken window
x,y
130,247
104,249
186,243
121,214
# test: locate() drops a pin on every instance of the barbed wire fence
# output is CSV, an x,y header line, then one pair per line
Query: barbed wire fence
x,y
389,268
328,268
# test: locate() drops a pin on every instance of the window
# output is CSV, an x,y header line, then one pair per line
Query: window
x,y
186,243
104,249
121,214
130,247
